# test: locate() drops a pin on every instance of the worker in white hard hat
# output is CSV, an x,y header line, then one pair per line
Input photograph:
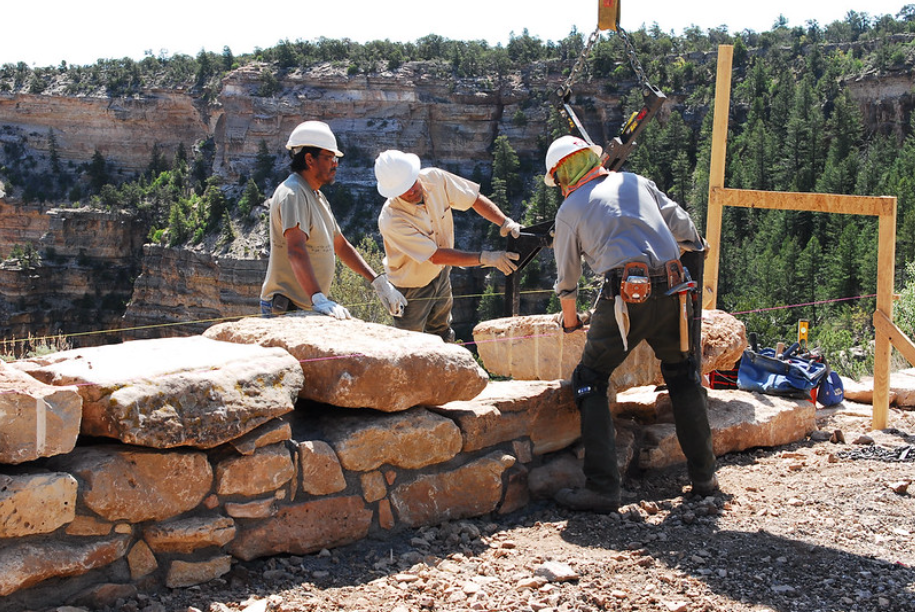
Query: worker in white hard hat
x,y
632,234
305,237
418,232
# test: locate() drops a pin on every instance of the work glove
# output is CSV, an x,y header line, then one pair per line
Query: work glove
x,y
390,297
321,304
584,318
510,227
503,260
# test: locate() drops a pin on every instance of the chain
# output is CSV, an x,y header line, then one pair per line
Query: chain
x,y
633,60
566,89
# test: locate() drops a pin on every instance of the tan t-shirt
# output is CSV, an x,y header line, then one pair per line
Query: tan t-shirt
x,y
295,203
412,233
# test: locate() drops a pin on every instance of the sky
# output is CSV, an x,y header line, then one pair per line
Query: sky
x,y
46,32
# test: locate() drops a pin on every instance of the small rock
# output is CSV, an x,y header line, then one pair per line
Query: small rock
x,y
900,487
556,572
837,437
864,440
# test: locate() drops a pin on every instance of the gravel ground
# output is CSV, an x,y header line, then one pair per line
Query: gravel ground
x,y
825,524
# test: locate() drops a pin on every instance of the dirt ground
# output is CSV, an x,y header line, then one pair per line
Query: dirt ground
x,y
819,525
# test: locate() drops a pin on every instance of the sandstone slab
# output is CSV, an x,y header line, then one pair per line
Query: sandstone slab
x,y
320,468
535,348
542,411
266,470
188,573
739,420
354,364
36,420
32,504
136,485
28,564
187,535
175,391
305,528
433,498
412,439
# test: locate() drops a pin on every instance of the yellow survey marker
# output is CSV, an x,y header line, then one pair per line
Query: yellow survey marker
x,y
608,14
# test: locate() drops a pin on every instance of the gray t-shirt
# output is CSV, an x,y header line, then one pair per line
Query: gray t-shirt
x,y
295,203
611,221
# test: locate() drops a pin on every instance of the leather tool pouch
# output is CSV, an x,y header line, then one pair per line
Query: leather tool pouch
x,y
635,285
675,274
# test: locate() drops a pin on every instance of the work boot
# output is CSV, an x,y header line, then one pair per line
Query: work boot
x,y
587,500
706,487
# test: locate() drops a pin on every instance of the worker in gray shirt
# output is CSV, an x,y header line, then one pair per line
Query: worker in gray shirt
x,y
627,230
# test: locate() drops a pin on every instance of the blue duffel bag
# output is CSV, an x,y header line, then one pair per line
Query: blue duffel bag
x,y
789,376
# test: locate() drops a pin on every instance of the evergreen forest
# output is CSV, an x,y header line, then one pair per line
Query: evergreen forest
x,y
793,127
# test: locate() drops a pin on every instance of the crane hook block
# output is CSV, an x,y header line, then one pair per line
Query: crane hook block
x,y
608,14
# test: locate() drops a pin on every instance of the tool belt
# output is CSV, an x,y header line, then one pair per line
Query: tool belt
x,y
636,282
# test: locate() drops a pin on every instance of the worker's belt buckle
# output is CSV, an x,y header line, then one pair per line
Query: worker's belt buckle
x,y
635,285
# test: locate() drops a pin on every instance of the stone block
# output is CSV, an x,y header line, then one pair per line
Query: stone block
x,y
542,411
174,391
188,573
36,420
266,470
186,535
739,420
305,528
321,471
413,439
535,348
32,504
433,498
28,564
135,485
354,364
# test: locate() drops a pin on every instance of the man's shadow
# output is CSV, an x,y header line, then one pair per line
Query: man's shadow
x,y
756,568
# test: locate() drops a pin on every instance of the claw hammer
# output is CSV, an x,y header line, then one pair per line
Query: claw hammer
x,y
681,290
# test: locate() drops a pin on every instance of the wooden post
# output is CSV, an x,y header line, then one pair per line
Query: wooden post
x,y
716,175
886,264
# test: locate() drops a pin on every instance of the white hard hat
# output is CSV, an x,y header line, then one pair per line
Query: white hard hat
x,y
561,148
313,134
396,172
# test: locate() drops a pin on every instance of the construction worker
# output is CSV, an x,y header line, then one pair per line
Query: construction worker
x,y
418,232
615,219
305,237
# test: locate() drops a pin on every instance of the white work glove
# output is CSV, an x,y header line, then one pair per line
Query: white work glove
x,y
503,260
321,304
510,227
390,297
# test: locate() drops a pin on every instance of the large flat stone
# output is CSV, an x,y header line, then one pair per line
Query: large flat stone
x,y
36,420
473,489
535,348
174,391
739,420
354,364
27,564
136,485
411,440
542,411
36,503
305,528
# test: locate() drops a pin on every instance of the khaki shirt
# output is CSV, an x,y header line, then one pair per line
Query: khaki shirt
x,y
295,203
412,233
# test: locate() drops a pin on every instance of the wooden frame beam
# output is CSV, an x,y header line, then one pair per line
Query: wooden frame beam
x,y
887,334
